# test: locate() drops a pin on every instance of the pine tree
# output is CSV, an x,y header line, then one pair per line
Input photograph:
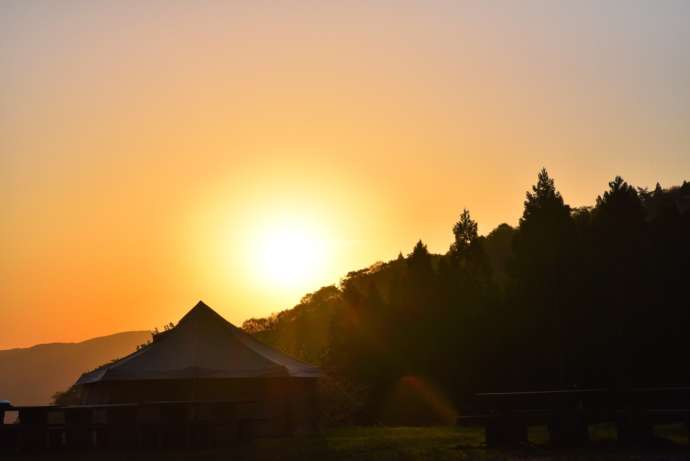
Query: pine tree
x,y
465,232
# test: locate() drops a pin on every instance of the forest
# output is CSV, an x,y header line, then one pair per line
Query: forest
x,y
570,298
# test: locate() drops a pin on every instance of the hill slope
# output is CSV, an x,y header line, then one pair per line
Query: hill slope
x,y
30,376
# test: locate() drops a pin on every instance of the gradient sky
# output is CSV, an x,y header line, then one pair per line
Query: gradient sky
x,y
145,145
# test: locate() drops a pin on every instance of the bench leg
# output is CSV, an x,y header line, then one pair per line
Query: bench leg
x,y
635,431
568,430
506,432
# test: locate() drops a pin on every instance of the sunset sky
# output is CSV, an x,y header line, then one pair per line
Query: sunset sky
x,y
245,153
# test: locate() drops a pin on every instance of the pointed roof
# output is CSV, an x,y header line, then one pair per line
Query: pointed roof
x,y
202,345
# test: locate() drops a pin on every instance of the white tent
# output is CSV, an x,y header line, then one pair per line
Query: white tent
x,y
206,358
203,345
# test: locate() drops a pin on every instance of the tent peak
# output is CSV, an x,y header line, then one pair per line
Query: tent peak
x,y
202,312
201,305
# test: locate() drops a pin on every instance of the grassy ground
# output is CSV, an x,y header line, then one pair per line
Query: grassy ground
x,y
413,444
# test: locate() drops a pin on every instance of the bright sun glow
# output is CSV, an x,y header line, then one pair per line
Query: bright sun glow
x,y
291,254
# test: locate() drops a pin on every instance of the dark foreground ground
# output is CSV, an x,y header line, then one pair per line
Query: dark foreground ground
x,y
412,444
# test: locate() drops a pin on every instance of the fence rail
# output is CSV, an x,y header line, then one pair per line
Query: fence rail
x,y
150,425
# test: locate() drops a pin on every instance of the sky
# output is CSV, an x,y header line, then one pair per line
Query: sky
x,y
245,153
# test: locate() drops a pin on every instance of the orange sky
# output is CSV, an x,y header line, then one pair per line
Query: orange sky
x,y
145,147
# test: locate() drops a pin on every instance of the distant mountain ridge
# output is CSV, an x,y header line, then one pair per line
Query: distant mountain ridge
x,y
30,376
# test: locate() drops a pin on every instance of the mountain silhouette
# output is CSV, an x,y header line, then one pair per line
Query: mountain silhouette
x,y
30,376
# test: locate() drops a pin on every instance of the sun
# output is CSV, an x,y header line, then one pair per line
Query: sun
x,y
290,253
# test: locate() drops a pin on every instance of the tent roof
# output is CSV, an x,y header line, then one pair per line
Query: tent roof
x,y
202,345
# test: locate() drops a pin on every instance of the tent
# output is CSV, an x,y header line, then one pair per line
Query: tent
x,y
206,358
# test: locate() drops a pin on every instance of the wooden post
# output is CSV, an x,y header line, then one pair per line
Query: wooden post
x,y
635,429
568,429
506,431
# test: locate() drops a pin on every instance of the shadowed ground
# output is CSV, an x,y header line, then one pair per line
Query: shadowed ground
x,y
406,443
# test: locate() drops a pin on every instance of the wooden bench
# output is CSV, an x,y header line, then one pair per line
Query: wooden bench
x,y
568,413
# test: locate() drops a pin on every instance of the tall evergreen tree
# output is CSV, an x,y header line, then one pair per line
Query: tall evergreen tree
x,y
545,227
465,233
619,239
542,259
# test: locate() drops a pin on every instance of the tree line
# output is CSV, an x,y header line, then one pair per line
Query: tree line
x,y
571,297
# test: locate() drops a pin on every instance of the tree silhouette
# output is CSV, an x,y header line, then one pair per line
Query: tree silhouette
x,y
591,297
542,259
465,233
545,227
419,260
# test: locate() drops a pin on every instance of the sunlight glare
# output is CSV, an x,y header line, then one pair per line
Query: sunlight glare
x,y
291,254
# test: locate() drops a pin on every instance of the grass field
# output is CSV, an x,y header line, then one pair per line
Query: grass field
x,y
412,444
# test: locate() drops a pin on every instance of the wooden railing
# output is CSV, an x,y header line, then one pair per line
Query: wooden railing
x,y
151,425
